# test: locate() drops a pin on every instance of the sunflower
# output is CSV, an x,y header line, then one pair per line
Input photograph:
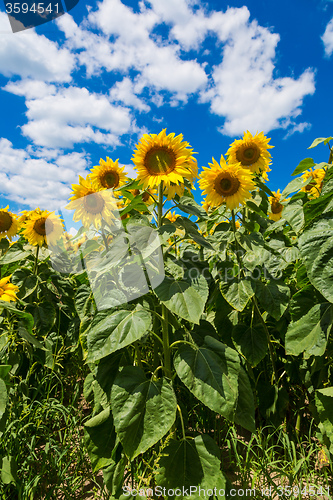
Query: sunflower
x,y
8,290
8,224
251,152
163,158
226,183
107,175
171,216
91,207
276,206
43,228
26,214
147,195
315,186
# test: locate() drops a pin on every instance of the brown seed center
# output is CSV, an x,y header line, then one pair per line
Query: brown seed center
x,y
43,226
276,207
248,154
160,160
93,203
110,180
6,221
226,185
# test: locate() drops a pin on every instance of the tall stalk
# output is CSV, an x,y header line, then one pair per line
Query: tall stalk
x,y
165,325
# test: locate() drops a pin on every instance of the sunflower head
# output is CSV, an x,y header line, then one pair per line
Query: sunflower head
x,y
107,175
171,216
163,158
252,153
43,228
276,206
8,291
91,207
8,224
226,183
313,189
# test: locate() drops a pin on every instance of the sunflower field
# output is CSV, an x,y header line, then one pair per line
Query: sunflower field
x,y
155,347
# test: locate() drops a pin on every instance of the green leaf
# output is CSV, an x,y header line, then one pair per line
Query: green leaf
x,y
8,471
100,440
244,415
4,370
237,292
44,315
110,332
25,280
316,247
113,476
310,333
25,318
30,338
324,404
318,141
185,298
190,206
293,213
3,397
143,410
304,165
314,209
295,185
251,341
13,254
273,297
84,302
191,463
210,372
301,302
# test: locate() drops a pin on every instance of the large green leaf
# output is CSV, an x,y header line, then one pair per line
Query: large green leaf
x,y
304,164
244,415
251,341
26,319
316,247
237,292
3,397
185,298
44,315
100,439
310,333
273,297
143,409
189,463
115,331
13,254
210,372
293,213
324,404
25,280
84,302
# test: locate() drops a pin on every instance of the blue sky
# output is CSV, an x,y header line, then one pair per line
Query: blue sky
x,y
90,83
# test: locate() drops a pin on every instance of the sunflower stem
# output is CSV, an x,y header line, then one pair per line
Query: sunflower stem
x,y
36,260
165,326
104,238
270,346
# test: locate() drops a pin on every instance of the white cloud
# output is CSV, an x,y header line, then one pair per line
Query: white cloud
x,y
327,38
132,47
74,115
33,182
243,88
29,55
124,92
31,89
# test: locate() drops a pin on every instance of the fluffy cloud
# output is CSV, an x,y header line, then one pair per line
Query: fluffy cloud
x,y
75,115
327,38
29,55
243,89
30,180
